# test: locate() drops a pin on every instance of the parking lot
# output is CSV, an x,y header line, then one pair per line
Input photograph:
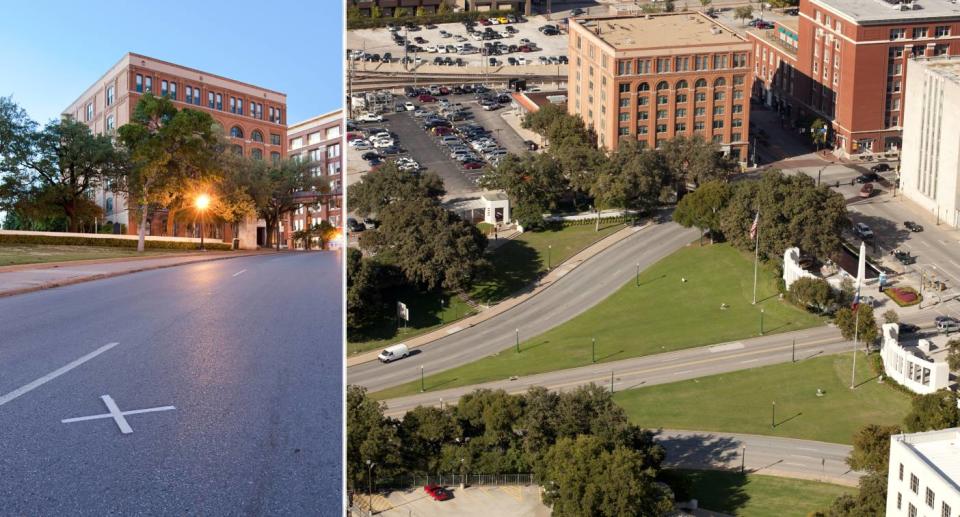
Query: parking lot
x,y
481,501
466,139
380,41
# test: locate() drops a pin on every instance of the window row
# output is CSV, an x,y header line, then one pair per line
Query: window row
x,y
682,63
255,153
940,31
682,84
144,84
256,135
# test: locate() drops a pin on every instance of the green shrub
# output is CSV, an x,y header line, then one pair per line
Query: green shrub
x,y
65,240
903,296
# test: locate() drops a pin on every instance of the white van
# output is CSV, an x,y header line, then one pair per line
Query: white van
x,y
392,353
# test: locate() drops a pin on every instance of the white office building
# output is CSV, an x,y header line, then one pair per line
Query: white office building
x,y
923,474
930,165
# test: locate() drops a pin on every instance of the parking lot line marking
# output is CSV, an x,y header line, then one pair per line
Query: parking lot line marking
x,y
54,374
118,416
238,273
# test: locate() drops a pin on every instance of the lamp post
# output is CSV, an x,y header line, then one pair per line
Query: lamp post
x,y
518,340
549,253
593,350
773,415
421,378
638,274
201,203
370,465
761,322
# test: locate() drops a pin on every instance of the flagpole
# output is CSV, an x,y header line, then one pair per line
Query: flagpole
x,y
756,260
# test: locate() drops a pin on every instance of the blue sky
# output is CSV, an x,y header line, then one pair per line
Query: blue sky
x,y
52,50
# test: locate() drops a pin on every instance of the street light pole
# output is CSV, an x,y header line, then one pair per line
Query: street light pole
x,y
518,340
370,465
201,203
593,350
773,415
549,254
761,322
638,274
421,379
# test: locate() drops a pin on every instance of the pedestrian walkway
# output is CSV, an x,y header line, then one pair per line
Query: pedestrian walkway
x,y
555,274
25,278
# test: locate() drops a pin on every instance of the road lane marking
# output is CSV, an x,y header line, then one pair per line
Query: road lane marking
x,y
118,416
54,374
749,361
238,273
726,347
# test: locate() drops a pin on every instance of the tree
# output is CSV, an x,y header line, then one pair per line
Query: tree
x,y
953,354
533,182
818,132
167,149
365,286
431,245
282,187
706,3
584,476
57,174
891,316
871,448
702,207
849,323
391,185
933,412
871,499
813,293
632,178
743,12
669,7
371,437
694,161
793,212
17,132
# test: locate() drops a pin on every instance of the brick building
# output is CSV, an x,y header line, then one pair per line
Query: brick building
x,y
253,120
318,140
850,63
654,77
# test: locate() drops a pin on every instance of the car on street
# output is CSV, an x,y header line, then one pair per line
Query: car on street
x,y
370,117
863,231
393,353
355,226
904,257
437,492
576,11
948,325
370,155
912,226
867,177
907,328
880,167
866,190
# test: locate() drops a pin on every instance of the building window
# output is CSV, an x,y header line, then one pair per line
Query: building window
x,y
736,122
740,60
720,82
734,137
661,128
944,509
717,139
139,82
333,151
661,114
110,124
719,61
896,34
220,102
940,32
681,113
189,96
260,111
930,497
901,472
149,84
681,98
89,111
173,91
941,50
196,96
718,110
895,52
274,139
643,87
275,157
914,483
624,102
110,93
257,154
680,127
642,130
623,131
643,115
719,96
643,101
210,103
236,132
718,124
698,125
911,510
662,99
233,104
663,65
738,108
296,143
163,88
699,112
624,117
919,32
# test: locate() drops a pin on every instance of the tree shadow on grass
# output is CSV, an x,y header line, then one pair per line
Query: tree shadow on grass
x,y
514,266
718,491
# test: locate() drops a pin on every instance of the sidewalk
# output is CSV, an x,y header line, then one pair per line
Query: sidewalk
x,y
555,274
25,278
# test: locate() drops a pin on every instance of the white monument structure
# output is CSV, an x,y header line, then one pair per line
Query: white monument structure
x,y
912,366
924,474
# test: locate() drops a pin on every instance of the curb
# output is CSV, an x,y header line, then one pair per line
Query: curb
x,y
101,276
538,287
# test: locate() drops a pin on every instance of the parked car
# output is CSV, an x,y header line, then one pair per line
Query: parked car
x,y
437,492
912,226
360,145
880,167
531,145
904,257
948,325
472,164
355,226
867,177
866,190
427,98
370,117
908,328
370,155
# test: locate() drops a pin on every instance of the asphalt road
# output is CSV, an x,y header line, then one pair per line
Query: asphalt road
x,y
248,352
770,455
569,296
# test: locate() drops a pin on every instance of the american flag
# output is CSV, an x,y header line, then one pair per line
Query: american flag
x,y
753,227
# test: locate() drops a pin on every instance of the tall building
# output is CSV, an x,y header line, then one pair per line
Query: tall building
x,y
930,164
253,119
654,77
318,140
924,474
850,61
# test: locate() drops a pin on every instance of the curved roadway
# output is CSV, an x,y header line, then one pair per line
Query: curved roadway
x,y
582,288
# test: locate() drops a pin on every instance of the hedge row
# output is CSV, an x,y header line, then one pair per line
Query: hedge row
x,y
366,22
876,363
603,220
63,240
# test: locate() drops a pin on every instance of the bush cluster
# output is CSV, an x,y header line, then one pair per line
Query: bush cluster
x,y
65,240
903,296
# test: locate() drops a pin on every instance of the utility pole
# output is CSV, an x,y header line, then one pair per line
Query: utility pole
x,y
518,341
856,338
773,415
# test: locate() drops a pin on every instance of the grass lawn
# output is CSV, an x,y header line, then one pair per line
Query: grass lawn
x,y
515,264
741,401
521,260
756,495
660,315
15,254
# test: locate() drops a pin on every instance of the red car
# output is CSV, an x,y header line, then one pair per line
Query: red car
x,y
437,492
472,165
427,98
442,131
354,136
444,90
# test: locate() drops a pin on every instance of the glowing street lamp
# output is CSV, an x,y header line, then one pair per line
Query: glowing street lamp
x,y
202,203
